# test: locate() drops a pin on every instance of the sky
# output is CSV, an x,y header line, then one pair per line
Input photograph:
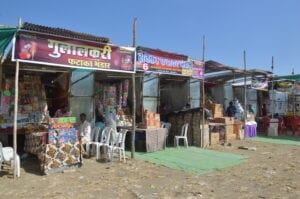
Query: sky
x,y
237,33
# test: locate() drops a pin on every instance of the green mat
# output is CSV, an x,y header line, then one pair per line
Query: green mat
x,y
192,159
282,139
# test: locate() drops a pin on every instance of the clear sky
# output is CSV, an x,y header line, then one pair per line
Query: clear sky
x,y
261,28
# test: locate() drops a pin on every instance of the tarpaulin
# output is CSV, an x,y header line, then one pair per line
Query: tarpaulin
x,y
6,35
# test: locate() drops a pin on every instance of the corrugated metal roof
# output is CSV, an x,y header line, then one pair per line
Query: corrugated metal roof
x,y
63,32
219,73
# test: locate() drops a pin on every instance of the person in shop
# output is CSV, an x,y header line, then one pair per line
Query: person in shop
x,y
163,112
250,109
264,110
63,112
250,113
231,110
84,133
186,107
99,118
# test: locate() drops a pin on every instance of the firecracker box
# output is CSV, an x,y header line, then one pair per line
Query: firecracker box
x,y
225,120
216,109
214,138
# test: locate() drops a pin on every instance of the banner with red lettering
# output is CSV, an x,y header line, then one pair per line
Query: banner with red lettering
x,y
59,51
153,60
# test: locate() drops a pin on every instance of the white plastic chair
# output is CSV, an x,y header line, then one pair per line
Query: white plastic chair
x,y
166,125
95,137
105,141
183,135
119,145
7,155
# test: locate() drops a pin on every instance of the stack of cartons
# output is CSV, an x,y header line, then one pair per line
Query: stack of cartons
x,y
229,127
152,120
237,128
216,110
214,137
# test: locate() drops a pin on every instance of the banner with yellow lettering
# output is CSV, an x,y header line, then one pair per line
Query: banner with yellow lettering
x,y
60,51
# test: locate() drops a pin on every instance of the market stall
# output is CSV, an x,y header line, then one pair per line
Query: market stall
x,y
54,65
170,81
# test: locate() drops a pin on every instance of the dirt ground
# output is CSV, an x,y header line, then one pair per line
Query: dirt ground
x,y
272,171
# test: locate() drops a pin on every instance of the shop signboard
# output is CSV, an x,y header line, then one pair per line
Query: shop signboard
x,y
38,48
260,83
284,86
197,68
153,60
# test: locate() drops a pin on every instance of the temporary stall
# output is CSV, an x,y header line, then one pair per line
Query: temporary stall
x,y
56,67
172,80
224,84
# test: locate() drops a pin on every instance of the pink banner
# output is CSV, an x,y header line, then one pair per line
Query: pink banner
x,y
198,69
162,62
59,51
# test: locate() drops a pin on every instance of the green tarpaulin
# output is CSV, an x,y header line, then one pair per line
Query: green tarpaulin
x,y
6,35
288,77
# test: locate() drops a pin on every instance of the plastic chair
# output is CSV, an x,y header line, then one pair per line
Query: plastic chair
x,y
119,145
7,155
183,135
295,125
105,141
266,124
95,137
166,125
281,126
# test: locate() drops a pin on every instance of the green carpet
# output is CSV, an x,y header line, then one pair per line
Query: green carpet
x,y
192,159
282,139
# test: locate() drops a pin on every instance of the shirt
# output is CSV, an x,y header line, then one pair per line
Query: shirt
x,y
85,131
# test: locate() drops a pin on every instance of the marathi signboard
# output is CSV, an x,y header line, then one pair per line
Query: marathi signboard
x,y
198,69
59,51
153,60
260,83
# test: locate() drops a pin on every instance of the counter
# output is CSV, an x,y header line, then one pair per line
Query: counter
x,y
149,140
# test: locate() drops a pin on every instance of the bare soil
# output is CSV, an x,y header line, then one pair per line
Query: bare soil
x,y
271,171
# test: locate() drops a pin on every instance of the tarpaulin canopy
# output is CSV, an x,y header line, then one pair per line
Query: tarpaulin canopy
x,y
6,35
288,77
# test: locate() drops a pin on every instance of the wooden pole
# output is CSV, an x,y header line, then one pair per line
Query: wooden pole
x,y
133,94
273,95
245,93
16,112
202,104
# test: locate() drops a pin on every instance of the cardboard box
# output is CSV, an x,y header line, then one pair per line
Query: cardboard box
x,y
214,138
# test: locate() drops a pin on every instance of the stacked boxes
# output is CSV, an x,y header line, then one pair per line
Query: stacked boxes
x,y
152,120
216,110
62,131
214,138
237,128
229,128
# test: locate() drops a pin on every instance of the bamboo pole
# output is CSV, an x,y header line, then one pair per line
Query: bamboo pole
x,y
133,94
245,93
202,104
16,111
272,67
